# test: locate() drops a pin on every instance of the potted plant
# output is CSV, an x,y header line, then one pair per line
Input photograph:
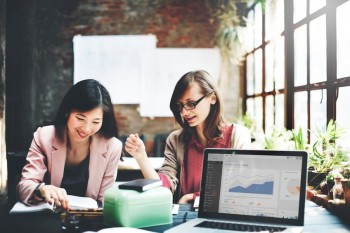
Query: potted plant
x,y
325,155
346,182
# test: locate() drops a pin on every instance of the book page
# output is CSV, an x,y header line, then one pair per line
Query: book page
x,y
76,202
19,207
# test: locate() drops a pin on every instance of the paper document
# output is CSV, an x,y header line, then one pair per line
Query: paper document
x,y
75,203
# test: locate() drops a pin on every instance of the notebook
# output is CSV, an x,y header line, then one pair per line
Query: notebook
x,y
246,190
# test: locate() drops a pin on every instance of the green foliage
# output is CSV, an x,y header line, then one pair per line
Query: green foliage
x,y
278,139
300,141
325,155
345,170
248,121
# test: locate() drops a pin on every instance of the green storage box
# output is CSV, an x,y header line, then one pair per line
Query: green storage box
x,y
129,208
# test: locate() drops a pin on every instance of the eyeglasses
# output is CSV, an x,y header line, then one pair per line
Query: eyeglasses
x,y
191,105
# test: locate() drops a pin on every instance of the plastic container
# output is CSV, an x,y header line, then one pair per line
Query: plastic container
x,y
129,208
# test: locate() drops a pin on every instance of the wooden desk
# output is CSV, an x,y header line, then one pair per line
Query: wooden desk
x,y
130,170
317,219
341,210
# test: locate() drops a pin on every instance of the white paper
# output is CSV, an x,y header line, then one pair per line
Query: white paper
x,y
175,209
76,202
19,207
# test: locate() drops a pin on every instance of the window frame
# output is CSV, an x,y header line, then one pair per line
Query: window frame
x,y
332,83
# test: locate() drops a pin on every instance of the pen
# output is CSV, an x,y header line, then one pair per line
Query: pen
x,y
184,217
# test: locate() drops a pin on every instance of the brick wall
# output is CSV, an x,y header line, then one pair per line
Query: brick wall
x,y
43,35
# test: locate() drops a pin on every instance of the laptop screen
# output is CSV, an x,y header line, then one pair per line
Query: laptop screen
x,y
254,185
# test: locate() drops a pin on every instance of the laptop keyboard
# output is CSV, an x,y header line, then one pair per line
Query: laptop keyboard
x,y
239,227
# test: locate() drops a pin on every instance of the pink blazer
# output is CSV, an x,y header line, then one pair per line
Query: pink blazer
x,y
46,160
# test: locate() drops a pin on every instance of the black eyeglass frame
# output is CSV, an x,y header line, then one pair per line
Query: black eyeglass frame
x,y
194,104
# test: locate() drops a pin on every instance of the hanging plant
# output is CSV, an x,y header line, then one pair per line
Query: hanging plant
x,y
227,37
231,16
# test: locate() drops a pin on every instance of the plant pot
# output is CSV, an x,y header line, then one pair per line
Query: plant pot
x,y
316,178
346,188
330,184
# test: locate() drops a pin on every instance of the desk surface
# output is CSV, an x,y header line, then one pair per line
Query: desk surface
x,y
317,219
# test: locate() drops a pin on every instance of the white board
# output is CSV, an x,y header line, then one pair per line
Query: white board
x,y
115,61
134,71
169,65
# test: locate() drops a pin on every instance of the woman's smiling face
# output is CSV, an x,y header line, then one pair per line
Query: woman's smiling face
x,y
82,125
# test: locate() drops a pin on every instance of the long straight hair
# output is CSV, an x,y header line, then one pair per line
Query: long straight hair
x,y
214,120
85,96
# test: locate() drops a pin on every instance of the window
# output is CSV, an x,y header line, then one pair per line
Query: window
x,y
265,65
299,75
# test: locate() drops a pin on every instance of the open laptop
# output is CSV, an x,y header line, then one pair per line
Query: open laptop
x,y
246,190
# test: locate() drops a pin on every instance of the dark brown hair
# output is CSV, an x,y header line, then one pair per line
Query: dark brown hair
x,y
207,84
84,96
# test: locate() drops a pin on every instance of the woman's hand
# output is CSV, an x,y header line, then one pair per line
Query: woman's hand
x,y
187,198
135,147
54,194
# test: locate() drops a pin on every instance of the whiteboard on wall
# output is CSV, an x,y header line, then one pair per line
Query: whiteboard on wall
x,y
115,61
164,67
135,71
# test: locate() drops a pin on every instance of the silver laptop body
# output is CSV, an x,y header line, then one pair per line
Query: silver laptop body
x,y
255,189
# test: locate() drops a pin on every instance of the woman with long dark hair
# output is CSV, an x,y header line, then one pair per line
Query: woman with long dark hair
x,y
78,154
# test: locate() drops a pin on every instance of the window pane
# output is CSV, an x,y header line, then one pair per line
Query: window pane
x,y
250,106
249,38
269,20
269,117
299,10
269,67
279,16
279,117
316,5
250,75
318,59
318,111
343,114
300,56
274,19
258,112
258,71
258,25
300,110
343,40
279,63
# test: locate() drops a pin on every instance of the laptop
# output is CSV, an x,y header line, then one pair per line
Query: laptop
x,y
250,190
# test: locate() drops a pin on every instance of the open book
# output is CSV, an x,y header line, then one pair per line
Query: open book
x,y
75,203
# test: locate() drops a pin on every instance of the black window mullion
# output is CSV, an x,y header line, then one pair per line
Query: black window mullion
x,y
331,34
289,65
263,67
308,68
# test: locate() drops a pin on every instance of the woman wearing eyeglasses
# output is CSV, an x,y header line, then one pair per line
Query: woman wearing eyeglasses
x,y
197,108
